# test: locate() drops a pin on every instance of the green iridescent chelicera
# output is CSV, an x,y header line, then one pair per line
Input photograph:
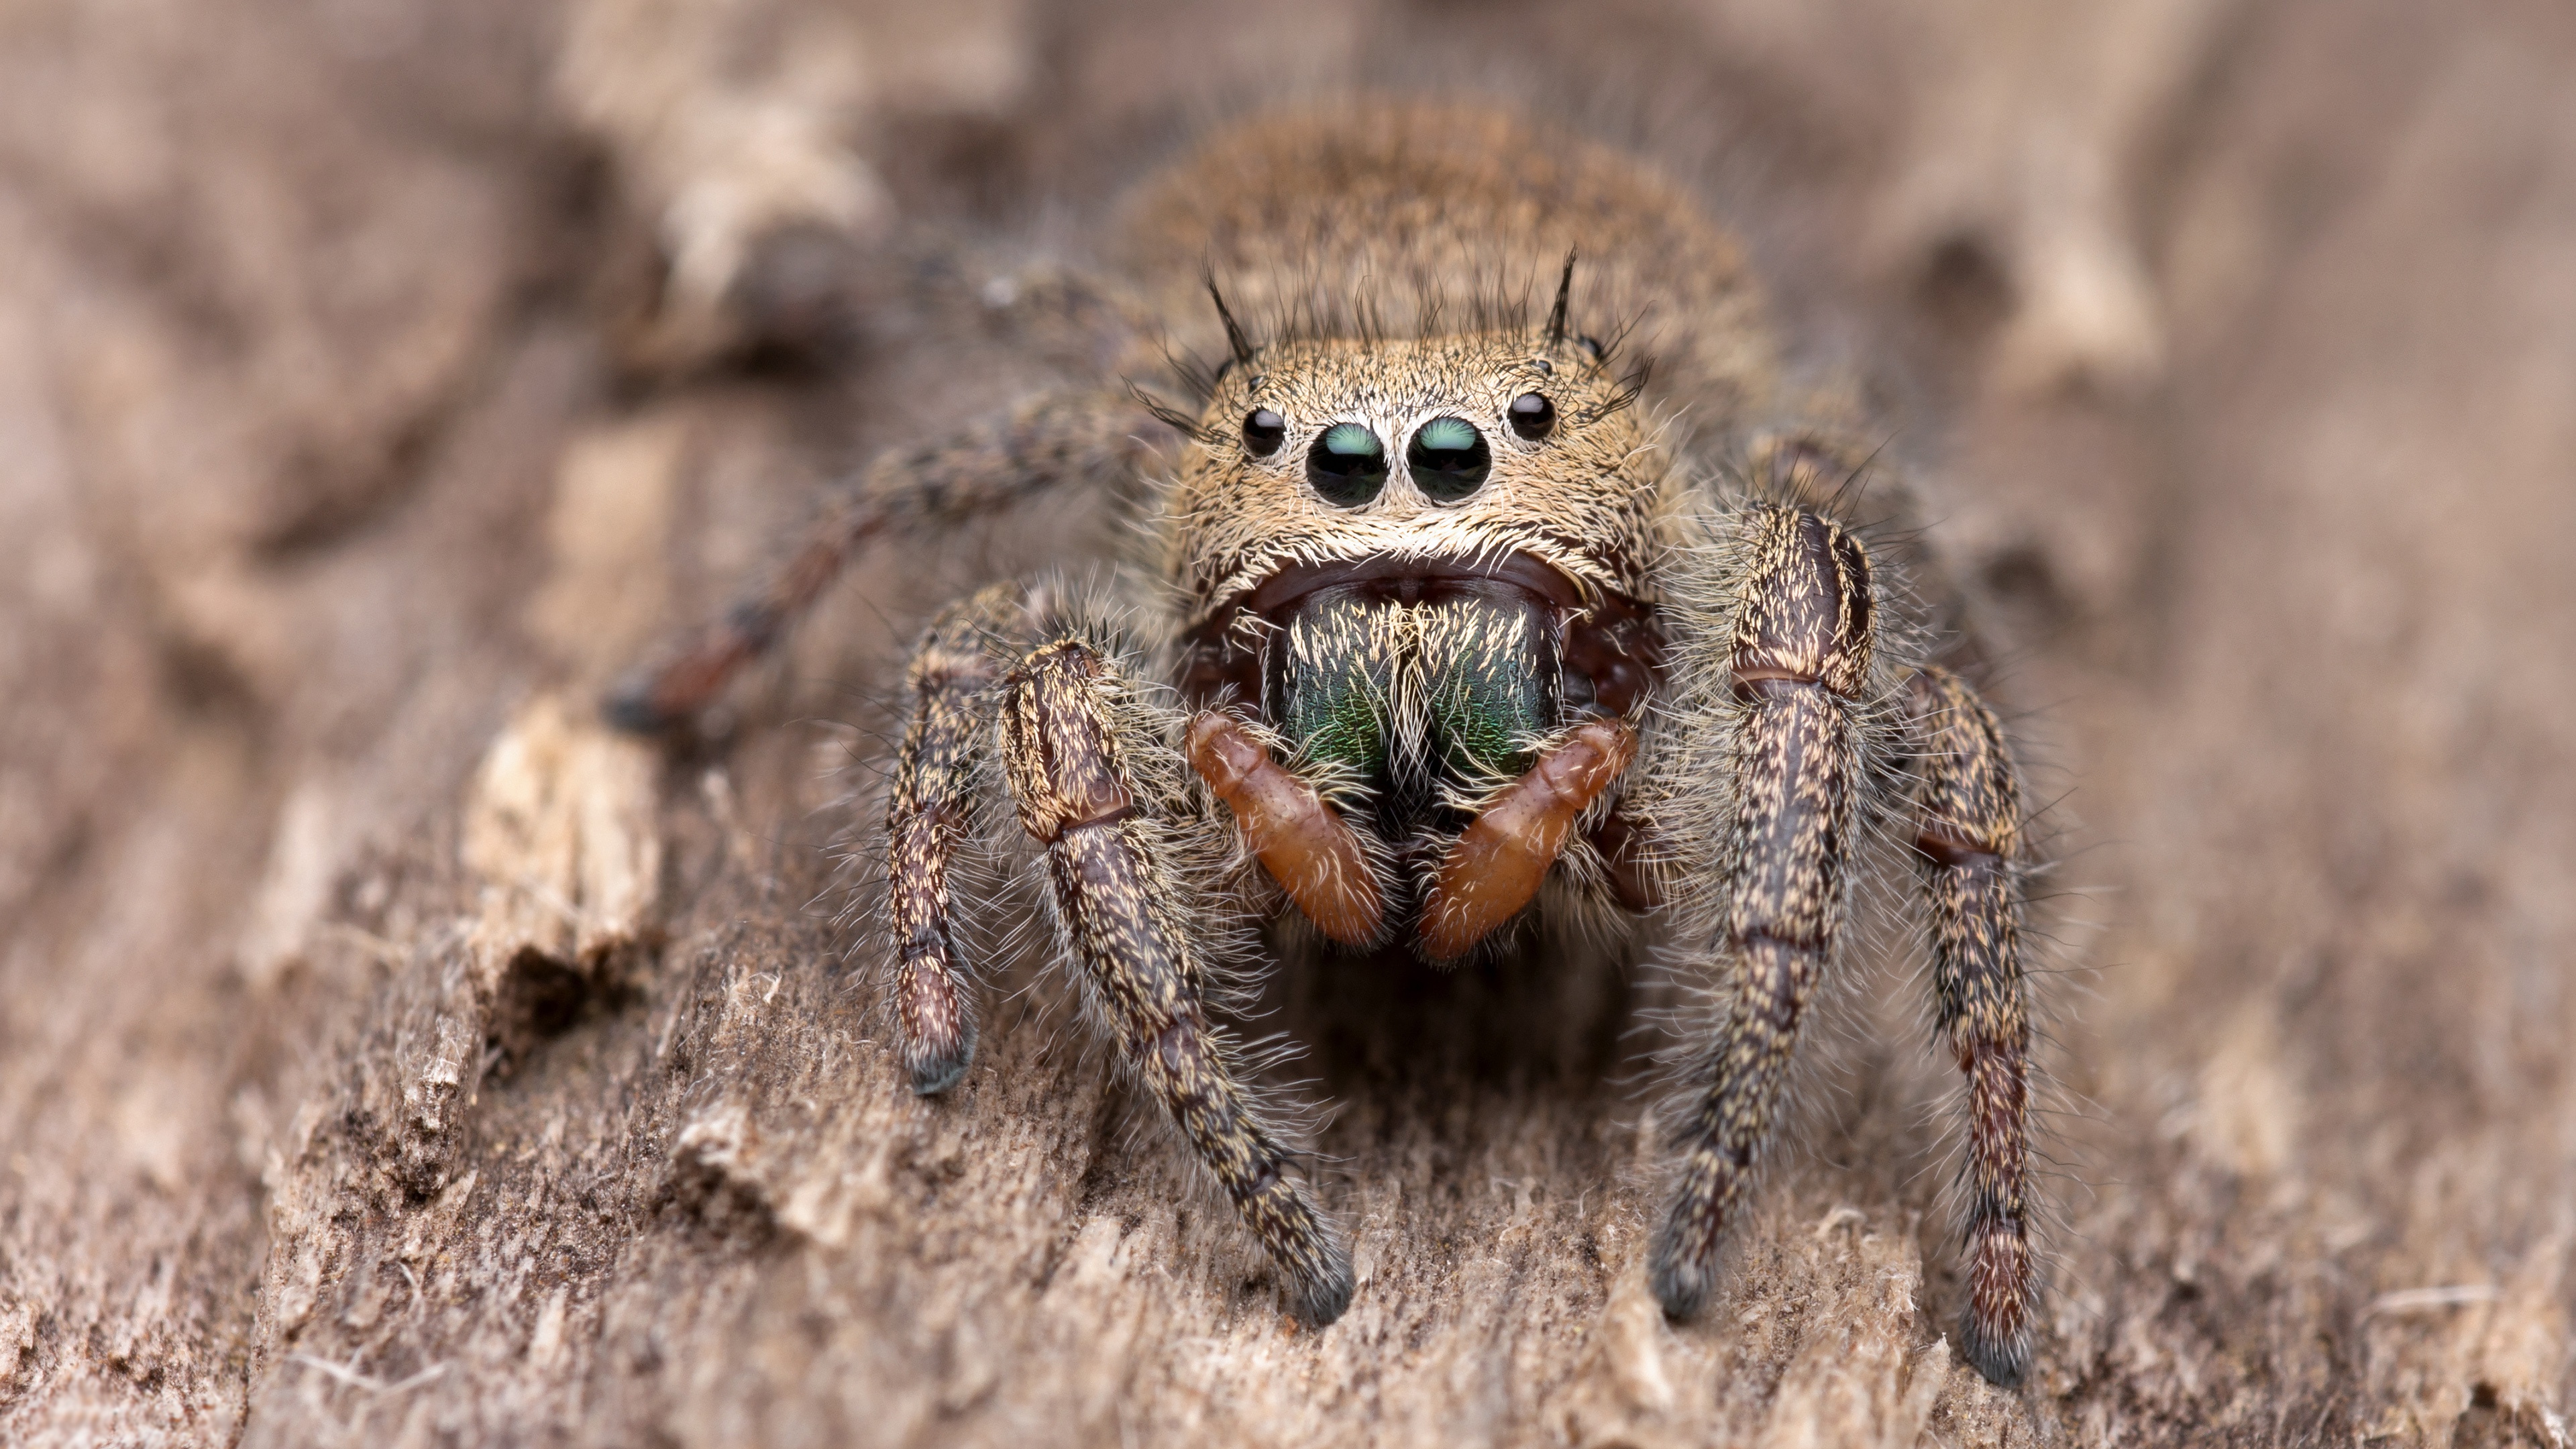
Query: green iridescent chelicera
x,y
1402,695
1347,465
1448,459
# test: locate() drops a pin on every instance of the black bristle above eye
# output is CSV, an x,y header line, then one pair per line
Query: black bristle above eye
x,y
1263,432
1533,416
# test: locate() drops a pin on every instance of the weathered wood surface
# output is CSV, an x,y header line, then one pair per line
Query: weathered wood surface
x,y
389,1056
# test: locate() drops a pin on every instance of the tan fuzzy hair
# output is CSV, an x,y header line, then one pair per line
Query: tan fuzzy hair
x,y
1585,498
1369,218
1392,261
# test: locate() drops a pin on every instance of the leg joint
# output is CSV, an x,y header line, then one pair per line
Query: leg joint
x,y
1808,608
1060,747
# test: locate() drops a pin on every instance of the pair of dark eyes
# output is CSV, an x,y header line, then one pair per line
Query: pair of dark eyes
x,y
1448,458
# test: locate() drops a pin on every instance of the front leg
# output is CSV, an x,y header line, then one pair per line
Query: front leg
x,y
1116,903
1797,664
929,816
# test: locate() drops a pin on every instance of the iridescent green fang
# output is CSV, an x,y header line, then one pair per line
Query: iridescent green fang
x,y
1404,697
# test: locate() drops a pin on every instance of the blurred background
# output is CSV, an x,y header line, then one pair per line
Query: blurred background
x,y
386,1055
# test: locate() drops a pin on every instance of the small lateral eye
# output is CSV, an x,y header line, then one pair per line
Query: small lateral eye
x,y
1448,459
1263,432
1347,465
1533,416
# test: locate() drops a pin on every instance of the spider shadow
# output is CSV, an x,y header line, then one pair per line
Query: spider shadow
x,y
1390,1033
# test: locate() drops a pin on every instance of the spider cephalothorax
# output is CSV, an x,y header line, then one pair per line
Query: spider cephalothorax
x,y
1399,450
1441,630
1425,567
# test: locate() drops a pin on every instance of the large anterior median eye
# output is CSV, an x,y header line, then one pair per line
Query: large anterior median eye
x,y
1448,459
1347,465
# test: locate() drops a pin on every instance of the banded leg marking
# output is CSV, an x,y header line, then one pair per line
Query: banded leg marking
x,y
1968,850
1073,792
1800,660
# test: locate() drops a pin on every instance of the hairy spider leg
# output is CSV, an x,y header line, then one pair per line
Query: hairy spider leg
x,y
1968,852
999,461
929,815
1116,906
1799,657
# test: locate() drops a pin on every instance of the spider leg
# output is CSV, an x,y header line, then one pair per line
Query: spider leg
x,y
1967,847
1798,662
1039,445
929,815
1118,906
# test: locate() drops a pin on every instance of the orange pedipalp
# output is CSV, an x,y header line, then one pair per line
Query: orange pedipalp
x,y
1505,853
1308,848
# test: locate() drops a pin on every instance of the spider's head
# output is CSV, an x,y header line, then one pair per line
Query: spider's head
x,y
1418,559
1447,451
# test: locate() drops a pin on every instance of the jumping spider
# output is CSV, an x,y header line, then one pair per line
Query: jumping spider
x,y
1438,647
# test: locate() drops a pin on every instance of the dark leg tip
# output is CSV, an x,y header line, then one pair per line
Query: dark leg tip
x,y
935,1072
629,706
1680,1284
1325,1297
2004,1361
1683,1294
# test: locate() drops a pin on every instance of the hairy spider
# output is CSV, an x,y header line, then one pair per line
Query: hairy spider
x,y
1440,646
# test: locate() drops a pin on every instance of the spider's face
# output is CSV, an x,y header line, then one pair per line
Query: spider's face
x,y
1416,560
1463,450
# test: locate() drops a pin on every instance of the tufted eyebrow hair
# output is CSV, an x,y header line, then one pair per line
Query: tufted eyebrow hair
x,y
1490,306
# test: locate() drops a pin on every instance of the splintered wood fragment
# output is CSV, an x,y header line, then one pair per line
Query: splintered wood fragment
x,y
560,825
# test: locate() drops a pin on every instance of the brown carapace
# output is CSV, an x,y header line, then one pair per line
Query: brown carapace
x,y
1445,622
